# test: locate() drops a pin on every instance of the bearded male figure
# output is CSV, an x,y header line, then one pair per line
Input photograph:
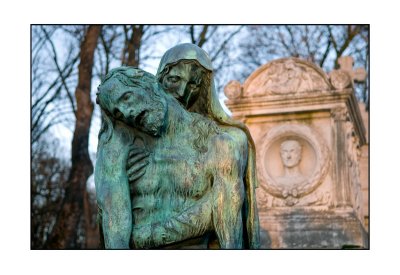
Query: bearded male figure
x,y
193,184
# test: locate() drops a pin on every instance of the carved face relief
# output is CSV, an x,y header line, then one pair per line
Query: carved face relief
x,y
183,81
292,162
135,106
290,153
292,178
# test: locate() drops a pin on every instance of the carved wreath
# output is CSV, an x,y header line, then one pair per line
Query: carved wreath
x,y
320,170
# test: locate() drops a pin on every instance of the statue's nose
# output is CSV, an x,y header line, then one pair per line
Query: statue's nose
x,y
182,90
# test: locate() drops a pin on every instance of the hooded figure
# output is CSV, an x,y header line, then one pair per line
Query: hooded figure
x,y
205,101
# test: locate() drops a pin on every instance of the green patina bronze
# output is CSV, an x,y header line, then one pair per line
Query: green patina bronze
x,y
173,170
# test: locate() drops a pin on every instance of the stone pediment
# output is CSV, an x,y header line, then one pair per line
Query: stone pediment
x,y
286,76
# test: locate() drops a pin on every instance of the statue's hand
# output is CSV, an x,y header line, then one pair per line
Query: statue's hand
x,y
137,163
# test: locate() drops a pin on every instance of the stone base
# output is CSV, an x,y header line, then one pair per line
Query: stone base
x,y
312,229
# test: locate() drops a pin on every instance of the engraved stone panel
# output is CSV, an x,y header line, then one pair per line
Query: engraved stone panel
x,y
308,134
286,76
293,162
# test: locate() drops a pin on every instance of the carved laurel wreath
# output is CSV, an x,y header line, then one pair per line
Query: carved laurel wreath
x,y
320,170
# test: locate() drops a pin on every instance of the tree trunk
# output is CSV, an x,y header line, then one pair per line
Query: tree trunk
x,y
65,231
92,235
134,46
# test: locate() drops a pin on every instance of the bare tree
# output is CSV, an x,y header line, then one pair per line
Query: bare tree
x,y
117,45
48,178
52,101
219,42
54,76
133,38
64,234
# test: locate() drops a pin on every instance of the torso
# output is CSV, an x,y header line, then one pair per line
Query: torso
x,y
176,177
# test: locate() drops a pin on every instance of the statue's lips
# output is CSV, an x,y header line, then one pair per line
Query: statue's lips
x,y
146,120
140,117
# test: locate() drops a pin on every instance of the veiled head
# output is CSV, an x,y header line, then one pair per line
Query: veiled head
x,y
183,73
185,51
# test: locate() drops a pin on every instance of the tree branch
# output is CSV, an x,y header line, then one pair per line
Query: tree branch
x,y
202,37
191,32
55,59
225,42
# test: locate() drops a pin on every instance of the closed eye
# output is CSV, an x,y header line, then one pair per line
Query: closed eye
x,y
173,79
125,96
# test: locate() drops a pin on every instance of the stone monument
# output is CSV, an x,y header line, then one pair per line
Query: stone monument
x,y
308,131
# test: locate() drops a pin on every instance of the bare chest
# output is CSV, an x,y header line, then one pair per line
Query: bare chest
x,y
174,172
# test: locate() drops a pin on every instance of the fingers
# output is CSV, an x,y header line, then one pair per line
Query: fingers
x,y
137,175
137,167
133,150
136,154
137,163
136,150
132,160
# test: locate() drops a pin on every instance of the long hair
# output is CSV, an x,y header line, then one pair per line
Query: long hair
x,y
106,128
210,106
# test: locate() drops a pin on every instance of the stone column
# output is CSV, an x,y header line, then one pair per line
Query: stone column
x,y
341,167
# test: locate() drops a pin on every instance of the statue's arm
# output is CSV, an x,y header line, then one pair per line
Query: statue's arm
x,y
112,191
230,157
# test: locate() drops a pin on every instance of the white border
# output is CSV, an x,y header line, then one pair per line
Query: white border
x,y
15,114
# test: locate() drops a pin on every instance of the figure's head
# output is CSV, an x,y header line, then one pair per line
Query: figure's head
x,y
184,81
134,97
290,153
185,72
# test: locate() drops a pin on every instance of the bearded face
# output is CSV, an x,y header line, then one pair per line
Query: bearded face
x,y
136,106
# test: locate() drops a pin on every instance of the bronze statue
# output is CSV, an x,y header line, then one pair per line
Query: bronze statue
x,y
199,178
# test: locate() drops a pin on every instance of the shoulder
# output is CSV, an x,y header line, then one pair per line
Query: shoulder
x,y
228,154
236,135
230,141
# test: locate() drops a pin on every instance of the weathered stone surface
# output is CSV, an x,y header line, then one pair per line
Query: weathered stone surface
x,y
321,206
233,89
285,76
364,164
346,64
310,229
346,75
